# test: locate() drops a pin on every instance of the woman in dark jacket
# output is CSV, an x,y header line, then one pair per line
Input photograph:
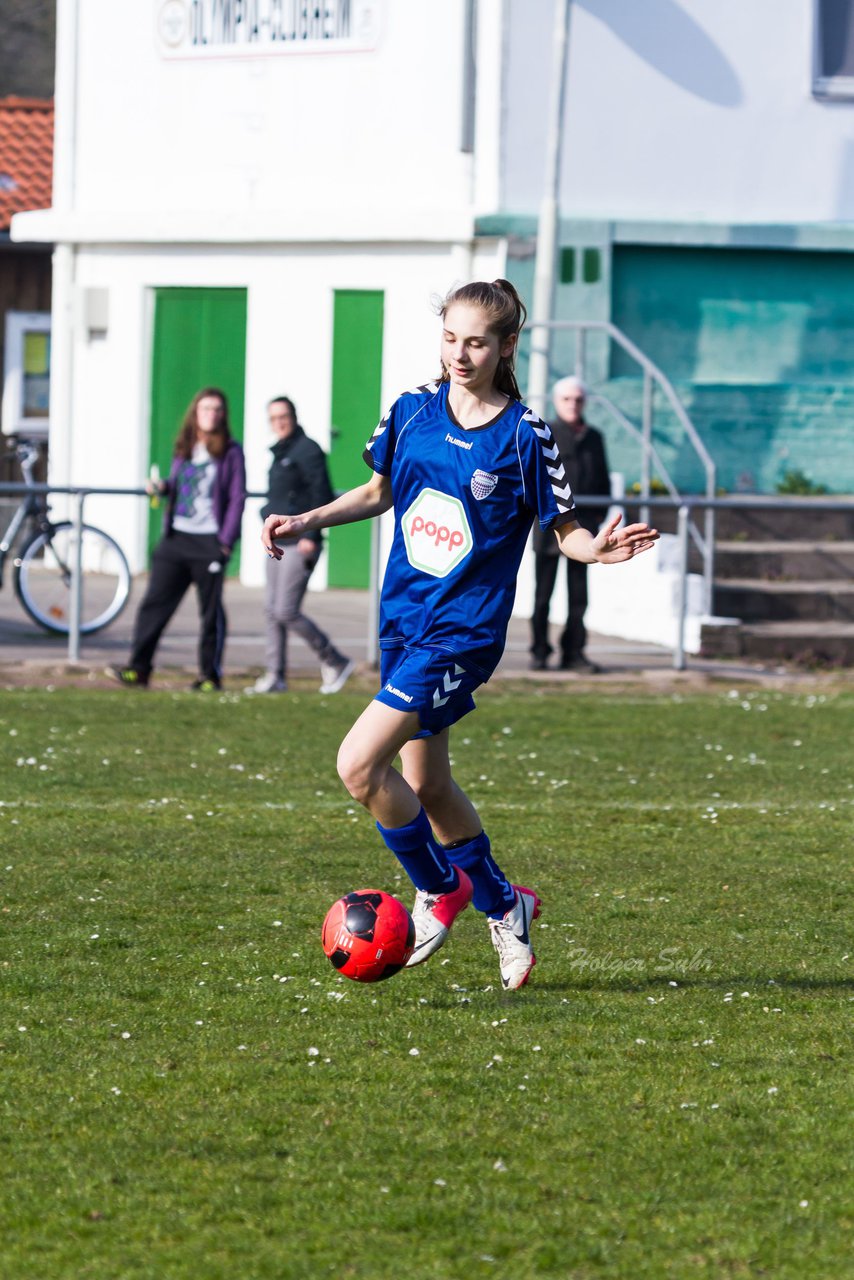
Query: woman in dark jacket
x,y
205,492
298,478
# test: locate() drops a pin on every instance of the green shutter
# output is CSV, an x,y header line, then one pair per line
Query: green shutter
x,y
356,389
199,341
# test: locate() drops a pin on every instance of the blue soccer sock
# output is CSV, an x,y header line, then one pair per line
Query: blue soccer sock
x,y
419,853
493,892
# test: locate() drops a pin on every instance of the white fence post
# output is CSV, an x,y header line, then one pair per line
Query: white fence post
x,y
76,585
682,588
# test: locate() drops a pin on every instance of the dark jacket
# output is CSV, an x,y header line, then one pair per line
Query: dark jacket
x,y
587,470
299,479
229,494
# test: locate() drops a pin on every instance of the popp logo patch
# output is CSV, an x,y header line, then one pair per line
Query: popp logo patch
x,y
436,533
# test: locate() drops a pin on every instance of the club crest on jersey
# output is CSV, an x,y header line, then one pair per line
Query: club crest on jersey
x,y
482,484
436,533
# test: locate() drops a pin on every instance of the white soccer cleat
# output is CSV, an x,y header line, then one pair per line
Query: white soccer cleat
x,y
335,675
433,915
511,939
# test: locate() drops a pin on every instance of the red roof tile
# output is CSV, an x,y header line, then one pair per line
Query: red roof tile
x,y
26,156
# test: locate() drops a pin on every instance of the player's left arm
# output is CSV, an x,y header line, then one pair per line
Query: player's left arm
x,y
610,545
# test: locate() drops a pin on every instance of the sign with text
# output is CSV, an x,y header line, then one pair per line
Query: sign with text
x,y
246,28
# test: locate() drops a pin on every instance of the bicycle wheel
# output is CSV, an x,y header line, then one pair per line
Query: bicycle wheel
x,y
43,578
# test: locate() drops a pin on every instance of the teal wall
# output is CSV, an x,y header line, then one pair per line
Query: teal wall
x,y
758,342
755,433
587,296
737,315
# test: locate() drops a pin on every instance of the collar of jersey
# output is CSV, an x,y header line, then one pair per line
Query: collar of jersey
x,y
483,426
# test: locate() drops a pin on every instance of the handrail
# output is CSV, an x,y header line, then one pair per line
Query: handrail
x,y
684,506
661,378
653,375
627,425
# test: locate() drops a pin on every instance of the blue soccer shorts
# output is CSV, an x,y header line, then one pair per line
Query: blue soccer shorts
x,y
429,682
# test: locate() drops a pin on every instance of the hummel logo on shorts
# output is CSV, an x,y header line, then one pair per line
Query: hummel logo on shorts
x,y
398,693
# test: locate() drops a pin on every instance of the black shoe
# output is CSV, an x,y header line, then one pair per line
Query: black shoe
x,y
127,676
538,663
578,662
206,686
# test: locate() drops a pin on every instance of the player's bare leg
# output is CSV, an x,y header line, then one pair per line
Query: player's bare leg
x,y
365,764
427,770
366,767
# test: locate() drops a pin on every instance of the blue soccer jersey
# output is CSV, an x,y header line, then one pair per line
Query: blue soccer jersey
x,y
464,503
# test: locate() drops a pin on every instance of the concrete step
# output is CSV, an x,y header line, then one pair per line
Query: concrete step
x,y
812,644
757,601
772,524
791,560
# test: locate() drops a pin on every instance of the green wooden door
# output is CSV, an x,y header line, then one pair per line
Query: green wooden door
x,y
356,389
199,341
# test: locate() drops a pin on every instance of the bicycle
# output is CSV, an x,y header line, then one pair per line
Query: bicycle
x,y
42,571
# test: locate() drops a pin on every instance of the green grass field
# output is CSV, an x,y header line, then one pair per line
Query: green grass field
x,y
191,1091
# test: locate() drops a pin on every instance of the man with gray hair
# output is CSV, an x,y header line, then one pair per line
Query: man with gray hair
x,y
582,451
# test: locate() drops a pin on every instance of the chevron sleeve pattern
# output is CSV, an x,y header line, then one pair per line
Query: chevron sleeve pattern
x,y
547,474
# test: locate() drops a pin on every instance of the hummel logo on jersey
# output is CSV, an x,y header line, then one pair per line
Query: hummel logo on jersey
x,y
461,444
482,484
447,686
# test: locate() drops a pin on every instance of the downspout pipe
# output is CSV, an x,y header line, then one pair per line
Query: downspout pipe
x,y
547,232
64,254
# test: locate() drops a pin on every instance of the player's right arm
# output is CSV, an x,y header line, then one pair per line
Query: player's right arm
x,y
361,503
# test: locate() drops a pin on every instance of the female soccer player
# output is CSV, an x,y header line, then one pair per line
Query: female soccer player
x,y
467,468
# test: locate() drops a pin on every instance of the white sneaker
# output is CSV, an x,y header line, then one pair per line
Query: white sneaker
x,y
268,683
512,941
433,915
335,675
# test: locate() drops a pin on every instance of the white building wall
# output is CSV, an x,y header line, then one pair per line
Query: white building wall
x,y
288,352
297,174
679,110
306,129
675,110
291,175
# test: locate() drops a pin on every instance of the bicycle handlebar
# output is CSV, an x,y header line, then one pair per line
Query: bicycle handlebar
x,y
24,452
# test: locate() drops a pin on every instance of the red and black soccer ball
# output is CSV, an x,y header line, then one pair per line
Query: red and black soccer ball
x,y
368,935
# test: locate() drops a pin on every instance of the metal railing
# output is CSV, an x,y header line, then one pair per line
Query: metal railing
x,y
652,377
748,502
683,507
79,494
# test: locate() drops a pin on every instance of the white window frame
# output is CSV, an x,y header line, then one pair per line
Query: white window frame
x,y
838,88
18,324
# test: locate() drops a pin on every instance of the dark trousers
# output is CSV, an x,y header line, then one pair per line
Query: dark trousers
x,y
574,635
179,561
